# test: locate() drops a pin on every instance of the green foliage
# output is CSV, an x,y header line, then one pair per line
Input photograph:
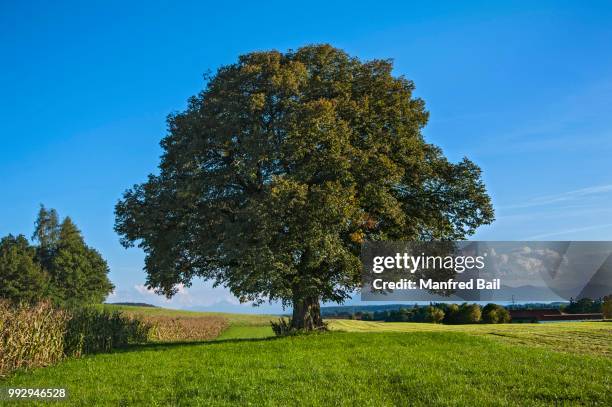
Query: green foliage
x,y
495,314
443,313
469,314
46,233
434,314
21,277
421,314
461,314
584,306
417,314
451,312
62,267
282,166
367,316
91,330
78,272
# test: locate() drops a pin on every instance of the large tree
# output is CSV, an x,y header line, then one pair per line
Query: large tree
x,y
282,167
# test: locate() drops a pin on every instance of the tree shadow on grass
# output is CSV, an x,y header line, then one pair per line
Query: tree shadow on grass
x,y
170,345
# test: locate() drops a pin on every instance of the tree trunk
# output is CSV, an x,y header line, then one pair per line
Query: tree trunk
x,y
307,314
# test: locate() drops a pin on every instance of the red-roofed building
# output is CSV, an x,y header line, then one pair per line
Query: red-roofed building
x,y
536,315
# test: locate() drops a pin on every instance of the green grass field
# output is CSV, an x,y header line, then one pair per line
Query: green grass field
x,y
575,337
373,364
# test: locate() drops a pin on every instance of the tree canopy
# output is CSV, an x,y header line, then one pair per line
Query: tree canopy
x,y
61,267
78,272
282,167
22,279
495,314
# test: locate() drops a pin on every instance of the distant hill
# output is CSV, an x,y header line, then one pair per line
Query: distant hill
x,y
350,309
133,304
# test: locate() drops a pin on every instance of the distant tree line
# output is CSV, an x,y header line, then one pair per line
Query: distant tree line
x,y
585,306
472,313
443,313
59,267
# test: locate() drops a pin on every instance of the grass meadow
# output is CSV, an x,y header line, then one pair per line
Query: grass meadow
x,y
593,338
358,363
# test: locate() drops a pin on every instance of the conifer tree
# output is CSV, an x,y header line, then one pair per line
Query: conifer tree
x,y
78,273
46,233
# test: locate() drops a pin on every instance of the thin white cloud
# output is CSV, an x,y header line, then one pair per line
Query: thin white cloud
x,y
563,197
554,127
559,212
568,231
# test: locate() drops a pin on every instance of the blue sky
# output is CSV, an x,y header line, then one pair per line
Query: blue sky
x,y
523,89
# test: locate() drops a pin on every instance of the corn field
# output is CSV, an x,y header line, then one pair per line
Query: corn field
x,y
165,328
40,335
30,336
